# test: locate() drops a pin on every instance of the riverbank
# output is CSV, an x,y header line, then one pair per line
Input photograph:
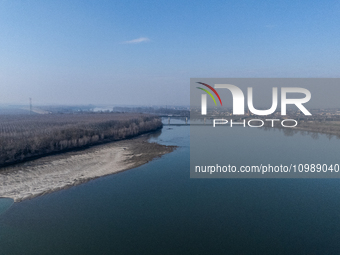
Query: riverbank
x,y
56,172
26,137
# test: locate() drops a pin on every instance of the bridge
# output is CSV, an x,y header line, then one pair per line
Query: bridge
x,y
240,118
174,116
179,124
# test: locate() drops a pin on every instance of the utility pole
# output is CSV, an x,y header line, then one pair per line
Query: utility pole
x,y
30,106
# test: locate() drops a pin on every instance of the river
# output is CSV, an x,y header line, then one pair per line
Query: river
x,y
158,209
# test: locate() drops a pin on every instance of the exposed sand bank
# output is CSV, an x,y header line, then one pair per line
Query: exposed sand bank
x,y
48,174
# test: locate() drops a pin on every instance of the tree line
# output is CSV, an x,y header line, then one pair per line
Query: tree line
x,y
23,137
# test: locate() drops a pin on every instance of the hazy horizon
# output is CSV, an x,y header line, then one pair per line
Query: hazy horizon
x,y
145,52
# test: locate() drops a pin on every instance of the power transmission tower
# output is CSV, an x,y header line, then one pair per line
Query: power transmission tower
x,y
30,106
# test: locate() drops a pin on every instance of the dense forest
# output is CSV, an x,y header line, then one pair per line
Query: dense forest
x,y
180,111
28,136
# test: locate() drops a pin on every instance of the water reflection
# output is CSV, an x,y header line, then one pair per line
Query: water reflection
x,y
5,203
155,134
292,132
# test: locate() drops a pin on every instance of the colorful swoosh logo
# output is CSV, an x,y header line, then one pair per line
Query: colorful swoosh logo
x,y
208,92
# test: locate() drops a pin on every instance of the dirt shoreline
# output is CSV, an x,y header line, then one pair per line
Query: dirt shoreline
x,y
48,174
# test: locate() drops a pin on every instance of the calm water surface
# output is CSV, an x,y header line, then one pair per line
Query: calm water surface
x,y
158,209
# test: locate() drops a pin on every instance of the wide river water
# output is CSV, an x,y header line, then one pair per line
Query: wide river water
x,y
158,209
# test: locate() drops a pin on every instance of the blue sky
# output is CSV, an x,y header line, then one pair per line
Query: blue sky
x,y
145,52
